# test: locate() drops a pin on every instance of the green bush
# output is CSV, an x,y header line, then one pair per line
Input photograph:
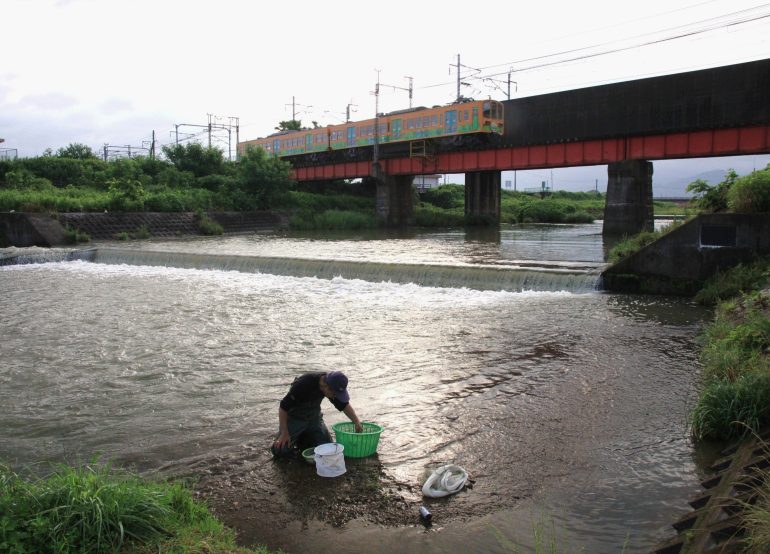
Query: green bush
x,y
750,194
428,215
445,196
206,225
712,198
544,211
579,217
74,236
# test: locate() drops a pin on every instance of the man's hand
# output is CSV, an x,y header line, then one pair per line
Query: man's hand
x,y
359,427
283,440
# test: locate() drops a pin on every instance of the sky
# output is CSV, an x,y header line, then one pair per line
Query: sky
x,y
113,72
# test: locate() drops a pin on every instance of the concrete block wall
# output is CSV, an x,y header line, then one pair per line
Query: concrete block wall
x,y
680,261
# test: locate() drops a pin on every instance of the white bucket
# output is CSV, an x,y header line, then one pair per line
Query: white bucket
x,y
329,460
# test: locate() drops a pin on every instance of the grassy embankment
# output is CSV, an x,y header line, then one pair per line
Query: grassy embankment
x,y
735,390
100,510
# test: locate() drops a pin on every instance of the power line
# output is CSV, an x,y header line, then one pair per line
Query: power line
x,y
682,34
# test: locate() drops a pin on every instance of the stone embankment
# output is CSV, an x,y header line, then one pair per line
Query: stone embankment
x,y
21,229
714,525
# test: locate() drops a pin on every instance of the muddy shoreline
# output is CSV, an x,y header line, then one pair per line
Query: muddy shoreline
x,y
261,511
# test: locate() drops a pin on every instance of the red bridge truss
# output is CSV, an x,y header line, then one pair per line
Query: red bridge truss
x,y
692,144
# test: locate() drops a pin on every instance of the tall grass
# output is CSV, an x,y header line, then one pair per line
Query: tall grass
x,y
735,398
727,284
730,409
756,519
100,510
630,245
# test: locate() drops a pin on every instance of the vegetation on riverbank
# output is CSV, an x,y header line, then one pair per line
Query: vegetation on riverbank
x,y
102,509
192,178
735,398
735,394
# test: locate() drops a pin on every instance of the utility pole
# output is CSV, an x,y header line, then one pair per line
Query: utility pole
x,y
294,108
458,77
152,147
237,137
211,128
411,88
376,152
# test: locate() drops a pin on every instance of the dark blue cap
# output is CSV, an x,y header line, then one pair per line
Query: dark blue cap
x,y
338,382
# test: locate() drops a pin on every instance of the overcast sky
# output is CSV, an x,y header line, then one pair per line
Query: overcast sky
x,y
104,71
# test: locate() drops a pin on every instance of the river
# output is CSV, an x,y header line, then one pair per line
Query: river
x,y
567,406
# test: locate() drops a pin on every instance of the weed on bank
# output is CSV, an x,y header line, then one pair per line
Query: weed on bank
x,y
104,510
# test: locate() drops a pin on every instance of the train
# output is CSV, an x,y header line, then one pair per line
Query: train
x,y
473,117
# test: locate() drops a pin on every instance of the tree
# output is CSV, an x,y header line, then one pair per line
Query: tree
x,y
196,159
77,151
290,125
265,178
712,199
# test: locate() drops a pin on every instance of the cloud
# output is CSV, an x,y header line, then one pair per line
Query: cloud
x,y
52,101
116,106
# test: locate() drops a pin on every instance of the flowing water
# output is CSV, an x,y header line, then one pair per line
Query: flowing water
x,y
567,405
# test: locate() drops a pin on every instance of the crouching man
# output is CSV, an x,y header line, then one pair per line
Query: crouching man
x,y
300,421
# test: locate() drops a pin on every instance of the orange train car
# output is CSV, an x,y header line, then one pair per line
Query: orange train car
x,y
465,118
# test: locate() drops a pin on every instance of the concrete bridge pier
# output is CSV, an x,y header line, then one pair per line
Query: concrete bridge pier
x,y
628,207
395,201
482,194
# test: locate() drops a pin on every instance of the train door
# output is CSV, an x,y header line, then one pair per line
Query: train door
x,y
351,136
395,129
309,142
450,122
276,146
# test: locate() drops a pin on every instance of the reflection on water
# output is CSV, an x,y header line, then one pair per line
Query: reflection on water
x,y
576,400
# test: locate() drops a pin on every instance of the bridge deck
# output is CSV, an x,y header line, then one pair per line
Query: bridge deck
x,y
692,144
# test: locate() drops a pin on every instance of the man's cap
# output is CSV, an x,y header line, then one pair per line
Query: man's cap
x,y
338,382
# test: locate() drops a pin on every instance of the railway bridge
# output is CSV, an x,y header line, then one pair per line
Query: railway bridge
x,y
722,111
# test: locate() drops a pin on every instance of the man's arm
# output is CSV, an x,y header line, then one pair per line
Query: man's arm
x,y
351,413
283,429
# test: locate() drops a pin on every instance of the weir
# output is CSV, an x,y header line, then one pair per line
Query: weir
x,y
578,278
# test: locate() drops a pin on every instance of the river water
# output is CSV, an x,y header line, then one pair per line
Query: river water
x,y
568,406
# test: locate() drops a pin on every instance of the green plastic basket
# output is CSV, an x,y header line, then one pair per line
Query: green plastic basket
x,y
358,445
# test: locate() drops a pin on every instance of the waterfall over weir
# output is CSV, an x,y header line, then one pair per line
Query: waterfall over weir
x,y
480,277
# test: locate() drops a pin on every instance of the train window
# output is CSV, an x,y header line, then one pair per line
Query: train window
x,y
434,120
410,123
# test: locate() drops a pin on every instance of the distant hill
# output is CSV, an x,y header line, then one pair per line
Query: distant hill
x,y
676,185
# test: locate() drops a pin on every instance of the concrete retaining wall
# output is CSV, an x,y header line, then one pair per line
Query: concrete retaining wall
x,y
26,229
680,261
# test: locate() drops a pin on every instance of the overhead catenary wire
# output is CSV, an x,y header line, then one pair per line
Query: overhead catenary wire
x,y
717,23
